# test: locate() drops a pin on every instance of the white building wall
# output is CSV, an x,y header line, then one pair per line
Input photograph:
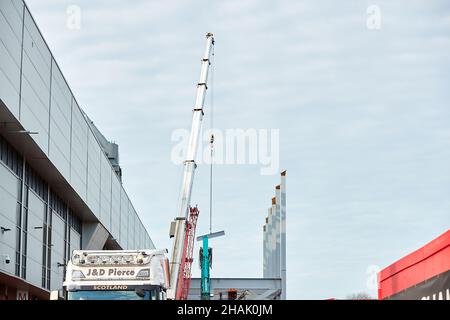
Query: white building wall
x,y
8,212
105,192
60,123
48,107
79,152
115,206
10,53
35,82
124,205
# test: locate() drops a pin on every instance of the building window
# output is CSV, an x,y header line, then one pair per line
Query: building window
x,y
58,206
11,158
36,183
14,161
28,179
75,222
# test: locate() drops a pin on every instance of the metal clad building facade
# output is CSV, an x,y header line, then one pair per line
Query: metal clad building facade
x,y
274,237
58,189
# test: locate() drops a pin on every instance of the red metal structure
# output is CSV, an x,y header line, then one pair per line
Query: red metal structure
x,y
423,274
184,281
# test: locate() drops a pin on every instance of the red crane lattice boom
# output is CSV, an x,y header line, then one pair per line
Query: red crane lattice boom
x,y
185,274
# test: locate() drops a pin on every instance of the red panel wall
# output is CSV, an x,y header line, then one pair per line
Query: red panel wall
x,y
424,263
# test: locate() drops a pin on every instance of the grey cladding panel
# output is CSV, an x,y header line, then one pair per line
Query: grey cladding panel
x,y
115,207
105,197
10,53
12,11
18,6
93,195
40,50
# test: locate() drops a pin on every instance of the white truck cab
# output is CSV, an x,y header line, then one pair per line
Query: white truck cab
x,y
117,275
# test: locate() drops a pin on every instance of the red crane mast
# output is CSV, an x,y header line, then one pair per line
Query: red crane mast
x,y
184,281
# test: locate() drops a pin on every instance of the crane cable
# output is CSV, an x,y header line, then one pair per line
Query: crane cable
x,y
211,143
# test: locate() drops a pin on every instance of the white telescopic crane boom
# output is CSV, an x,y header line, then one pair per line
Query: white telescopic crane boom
x,y
178,227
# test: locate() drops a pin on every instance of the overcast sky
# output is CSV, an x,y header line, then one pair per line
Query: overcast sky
x,y
364,119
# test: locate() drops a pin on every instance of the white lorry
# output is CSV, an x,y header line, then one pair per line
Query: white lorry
x,y
117,275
